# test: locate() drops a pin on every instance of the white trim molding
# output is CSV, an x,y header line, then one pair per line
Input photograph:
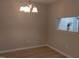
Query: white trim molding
x,y
68,56
12,50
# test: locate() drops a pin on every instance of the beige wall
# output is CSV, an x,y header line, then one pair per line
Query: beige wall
x,y
19,30
66,42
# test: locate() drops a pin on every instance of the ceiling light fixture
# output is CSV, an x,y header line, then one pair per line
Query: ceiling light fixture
x,y
34,9
28,7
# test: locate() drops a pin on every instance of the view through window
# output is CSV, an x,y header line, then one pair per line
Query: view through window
x,y
68,24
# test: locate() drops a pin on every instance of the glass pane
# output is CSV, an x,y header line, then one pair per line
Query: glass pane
x,y
68,24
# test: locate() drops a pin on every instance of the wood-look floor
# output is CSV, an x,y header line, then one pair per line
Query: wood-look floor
x,y
41,52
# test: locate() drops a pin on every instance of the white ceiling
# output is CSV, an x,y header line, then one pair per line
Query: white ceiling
x,y
43,1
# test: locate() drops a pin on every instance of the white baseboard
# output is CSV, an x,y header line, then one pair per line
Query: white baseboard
x,y
12,50
68,56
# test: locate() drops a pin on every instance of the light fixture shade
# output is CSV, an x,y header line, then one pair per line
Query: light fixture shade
x,y
35,10
26,9
22,8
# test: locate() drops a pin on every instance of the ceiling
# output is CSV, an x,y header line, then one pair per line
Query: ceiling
x,y
43,1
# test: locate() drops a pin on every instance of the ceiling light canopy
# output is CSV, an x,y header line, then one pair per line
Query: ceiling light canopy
x,y
28,7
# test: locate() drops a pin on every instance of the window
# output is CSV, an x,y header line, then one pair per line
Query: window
x,y
68,24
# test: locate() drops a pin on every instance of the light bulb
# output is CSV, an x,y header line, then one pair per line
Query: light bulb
x,y
35,9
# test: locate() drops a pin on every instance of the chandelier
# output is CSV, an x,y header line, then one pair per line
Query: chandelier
x,y
28,7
